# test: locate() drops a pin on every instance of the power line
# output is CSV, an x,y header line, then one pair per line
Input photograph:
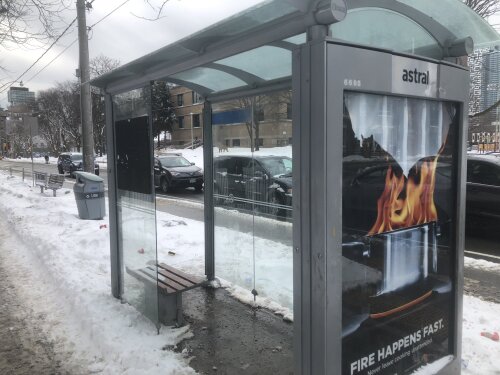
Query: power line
x,y
51,61
2,89
109,14
65,49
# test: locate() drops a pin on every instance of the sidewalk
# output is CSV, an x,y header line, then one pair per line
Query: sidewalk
x,y
63,263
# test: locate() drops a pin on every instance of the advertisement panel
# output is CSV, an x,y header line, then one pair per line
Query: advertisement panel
x,y
398,250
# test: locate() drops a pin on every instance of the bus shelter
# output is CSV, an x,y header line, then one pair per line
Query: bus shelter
x,y
363,237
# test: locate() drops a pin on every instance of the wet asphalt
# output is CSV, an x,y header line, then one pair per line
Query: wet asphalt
x,y
230,337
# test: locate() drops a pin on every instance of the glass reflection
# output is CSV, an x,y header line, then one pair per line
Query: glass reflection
x,y
253,195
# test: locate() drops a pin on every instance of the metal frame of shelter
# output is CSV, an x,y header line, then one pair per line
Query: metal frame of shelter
x,y
280,24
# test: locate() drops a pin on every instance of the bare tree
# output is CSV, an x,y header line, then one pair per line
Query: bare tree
x,y
156,6
270,107
59,116
485,8
29,21
100,65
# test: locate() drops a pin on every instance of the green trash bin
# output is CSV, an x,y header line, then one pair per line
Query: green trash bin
x,y
89,195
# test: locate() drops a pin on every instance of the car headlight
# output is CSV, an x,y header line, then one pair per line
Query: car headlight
x,y
175,174
289,191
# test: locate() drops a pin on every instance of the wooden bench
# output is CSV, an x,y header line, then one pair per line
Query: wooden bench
x,y
168,291
46,181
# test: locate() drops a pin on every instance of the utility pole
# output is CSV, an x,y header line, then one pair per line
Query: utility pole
x,y
85,98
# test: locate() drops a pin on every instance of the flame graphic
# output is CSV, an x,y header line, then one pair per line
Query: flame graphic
x,y
396,210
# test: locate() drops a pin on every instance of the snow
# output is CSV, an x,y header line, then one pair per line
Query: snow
x,y
64,262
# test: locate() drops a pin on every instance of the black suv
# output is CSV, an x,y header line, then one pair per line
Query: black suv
x,y
69,162
264,182
483,188
175,171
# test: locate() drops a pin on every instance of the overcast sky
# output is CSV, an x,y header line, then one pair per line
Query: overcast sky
x,y
121,36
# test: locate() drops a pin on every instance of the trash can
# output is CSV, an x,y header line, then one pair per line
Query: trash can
x,y
89,195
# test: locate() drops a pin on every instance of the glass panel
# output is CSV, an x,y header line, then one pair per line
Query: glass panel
x,y
210,78
266,62
459,19
399,178
253,196
233,221
136,200
370,26
271,186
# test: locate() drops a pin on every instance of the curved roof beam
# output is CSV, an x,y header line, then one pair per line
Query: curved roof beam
x,y
201,90
249,78
441,34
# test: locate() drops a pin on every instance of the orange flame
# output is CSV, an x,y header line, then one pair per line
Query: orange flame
x,y
415,207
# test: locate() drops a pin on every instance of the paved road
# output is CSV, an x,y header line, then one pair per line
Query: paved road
x,y
17,167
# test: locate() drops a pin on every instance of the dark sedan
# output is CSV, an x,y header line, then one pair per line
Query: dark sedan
x,y
175,171
483,188
69,162
261,182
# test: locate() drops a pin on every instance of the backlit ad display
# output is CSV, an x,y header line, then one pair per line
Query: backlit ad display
x,y
398,239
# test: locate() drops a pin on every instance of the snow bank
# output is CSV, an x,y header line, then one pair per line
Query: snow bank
x,y
68,260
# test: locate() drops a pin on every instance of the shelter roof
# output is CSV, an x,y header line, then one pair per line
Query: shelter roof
x,y
254,48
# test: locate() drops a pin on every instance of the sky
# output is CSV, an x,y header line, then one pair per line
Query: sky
x,y
123,35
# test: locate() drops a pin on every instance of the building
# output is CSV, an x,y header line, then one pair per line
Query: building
x,y
484,130
490,88
232,120
21,96
188,106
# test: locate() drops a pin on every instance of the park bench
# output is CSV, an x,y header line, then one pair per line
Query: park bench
x,y
46,181
171,284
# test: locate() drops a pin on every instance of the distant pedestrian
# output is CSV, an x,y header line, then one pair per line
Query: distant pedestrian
x,y
46,159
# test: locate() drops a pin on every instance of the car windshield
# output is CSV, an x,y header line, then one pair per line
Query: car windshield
x,y
174,161
278,167
76,157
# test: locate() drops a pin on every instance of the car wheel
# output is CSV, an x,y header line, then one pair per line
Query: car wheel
x,y
164,185
97,172
198,187
275,211
60,170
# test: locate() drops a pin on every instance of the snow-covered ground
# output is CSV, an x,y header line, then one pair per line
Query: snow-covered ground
x,y
68,263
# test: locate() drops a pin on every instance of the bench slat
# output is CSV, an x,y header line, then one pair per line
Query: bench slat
x,y
174,278
147,278
163,280
185,276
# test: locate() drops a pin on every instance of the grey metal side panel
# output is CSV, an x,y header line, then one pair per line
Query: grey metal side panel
x,y
115,257
208,191
317,242
301,211
333,230
453,83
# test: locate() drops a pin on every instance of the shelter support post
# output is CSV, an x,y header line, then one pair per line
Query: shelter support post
x,y
208,190
115,258
317,280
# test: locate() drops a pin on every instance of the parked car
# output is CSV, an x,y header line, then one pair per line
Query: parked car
x,y
483,187
175,171
244,180
69,162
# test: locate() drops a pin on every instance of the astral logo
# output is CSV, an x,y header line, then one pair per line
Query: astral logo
x,y
414,76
